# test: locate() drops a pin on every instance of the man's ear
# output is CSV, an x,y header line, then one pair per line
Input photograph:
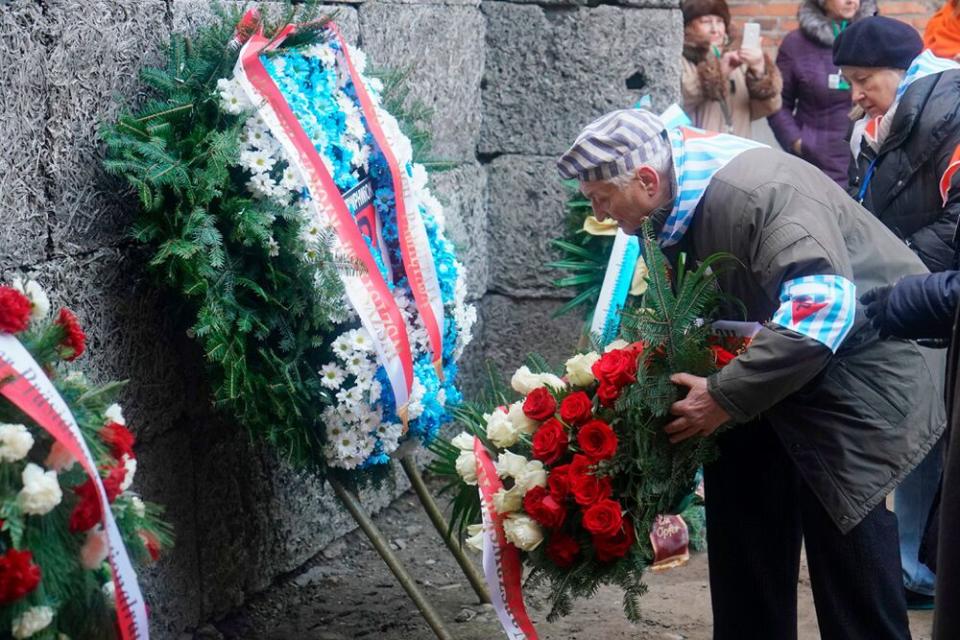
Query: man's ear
x,y
649,178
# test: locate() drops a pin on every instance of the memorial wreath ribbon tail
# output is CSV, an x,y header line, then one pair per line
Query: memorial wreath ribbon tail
x,y
368,291
23,382
501,560
418,261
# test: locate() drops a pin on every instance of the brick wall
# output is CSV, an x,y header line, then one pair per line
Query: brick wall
x,y
778,18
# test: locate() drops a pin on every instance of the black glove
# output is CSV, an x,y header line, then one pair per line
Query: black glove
x,y
875,302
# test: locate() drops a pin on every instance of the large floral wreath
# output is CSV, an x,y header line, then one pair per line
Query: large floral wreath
x,y
237,233
55,580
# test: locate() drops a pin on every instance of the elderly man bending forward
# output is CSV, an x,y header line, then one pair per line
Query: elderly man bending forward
x,y
828,418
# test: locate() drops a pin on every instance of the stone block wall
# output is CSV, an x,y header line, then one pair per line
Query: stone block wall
x,y
510,84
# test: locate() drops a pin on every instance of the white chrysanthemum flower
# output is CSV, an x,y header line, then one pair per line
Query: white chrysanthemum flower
x,y
138,507
39,302
257,160
361,340
289,180
31,622
114,413
355,126
41,490
273,248
261,185
420,177
232,97
415,406
357,365
257,135
15,442
374,389
346,104
358,57
130,464
441,397
389,434
368,419
375,85
331,376
347,442
349,397
311,232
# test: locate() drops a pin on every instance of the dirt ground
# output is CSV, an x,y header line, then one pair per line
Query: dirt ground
x,y
346,592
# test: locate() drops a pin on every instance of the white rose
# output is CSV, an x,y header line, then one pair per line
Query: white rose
x,y
500,429
522,532
464,441
520,420
130,464
616,344
41,490
467,467
552,381
15,442
533,475
31,621
139,508
579,369
505,501
115,414
510,465
94,550
524,381
475,537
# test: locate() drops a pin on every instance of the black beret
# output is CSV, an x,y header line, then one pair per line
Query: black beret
x,y
877,41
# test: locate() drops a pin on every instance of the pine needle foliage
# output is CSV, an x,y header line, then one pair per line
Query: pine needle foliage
x,y
262,314
650,476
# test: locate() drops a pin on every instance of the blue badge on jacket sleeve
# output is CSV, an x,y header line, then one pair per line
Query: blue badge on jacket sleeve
x,y
820,307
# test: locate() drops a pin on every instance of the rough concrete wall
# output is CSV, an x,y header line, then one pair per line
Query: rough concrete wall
x,y
510,84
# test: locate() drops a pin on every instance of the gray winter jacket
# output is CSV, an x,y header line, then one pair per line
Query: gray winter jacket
x,y
855,422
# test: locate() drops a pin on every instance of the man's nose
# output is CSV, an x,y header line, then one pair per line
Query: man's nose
x,y
599,214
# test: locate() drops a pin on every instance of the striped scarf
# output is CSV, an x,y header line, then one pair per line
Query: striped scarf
x,y
697,156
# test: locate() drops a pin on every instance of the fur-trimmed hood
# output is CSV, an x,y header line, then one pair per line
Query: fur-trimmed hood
x,y
818,27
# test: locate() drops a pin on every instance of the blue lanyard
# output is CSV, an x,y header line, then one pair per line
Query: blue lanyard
x,y
866,180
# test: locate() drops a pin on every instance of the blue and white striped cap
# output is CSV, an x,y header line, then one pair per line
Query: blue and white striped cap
x,y
614,144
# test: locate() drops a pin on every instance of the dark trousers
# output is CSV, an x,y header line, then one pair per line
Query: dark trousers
x,y
758,512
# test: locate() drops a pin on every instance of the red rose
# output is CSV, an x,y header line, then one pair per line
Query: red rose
x,y
607,394
544,508
562,550
597,440
721,355
616,546
151,543
589,489
559,481
119,439
576,408
539,404
604,518
18,575
111,484
550,441
74,340
87,513
14,310
580,466
617,367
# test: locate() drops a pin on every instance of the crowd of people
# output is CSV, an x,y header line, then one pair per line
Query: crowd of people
x,y
847,240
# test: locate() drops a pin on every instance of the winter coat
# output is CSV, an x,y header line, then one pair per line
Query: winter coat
x,y
854,422
904,192
726,106
927,307
812,111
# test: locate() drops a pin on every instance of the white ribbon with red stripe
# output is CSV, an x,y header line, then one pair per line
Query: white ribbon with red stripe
x,y
368,291
501,560
32,392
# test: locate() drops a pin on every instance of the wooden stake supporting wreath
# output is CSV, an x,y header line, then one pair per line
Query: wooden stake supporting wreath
x,y
290,210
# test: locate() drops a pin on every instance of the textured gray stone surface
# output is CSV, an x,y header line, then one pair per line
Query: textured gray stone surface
x,y
23,106
92,65
131,333
442,50
526,210
463,192
513,327
550,71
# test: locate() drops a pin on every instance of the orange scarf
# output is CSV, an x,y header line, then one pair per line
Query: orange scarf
x,y
942,34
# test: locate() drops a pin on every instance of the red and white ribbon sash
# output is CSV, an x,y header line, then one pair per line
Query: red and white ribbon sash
x,y
418,262
368,291
501,560
27,387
